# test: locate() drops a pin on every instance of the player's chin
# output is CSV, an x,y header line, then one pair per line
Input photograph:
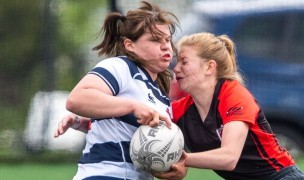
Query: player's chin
x,y
161,69
164,66
182,86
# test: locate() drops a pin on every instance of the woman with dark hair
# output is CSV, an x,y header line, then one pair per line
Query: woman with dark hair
x,y
124,91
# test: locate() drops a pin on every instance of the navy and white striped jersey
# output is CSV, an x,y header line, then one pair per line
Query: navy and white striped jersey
x,y
106,153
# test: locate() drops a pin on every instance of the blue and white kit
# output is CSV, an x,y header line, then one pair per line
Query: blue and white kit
x,y
106,153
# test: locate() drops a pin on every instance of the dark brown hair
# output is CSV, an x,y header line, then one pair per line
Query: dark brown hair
x,y
118,27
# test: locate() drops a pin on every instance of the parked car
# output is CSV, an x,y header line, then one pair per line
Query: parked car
x,y
269,35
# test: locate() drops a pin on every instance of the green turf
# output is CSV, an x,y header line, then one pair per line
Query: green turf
x,y
65,171
201,174
38,171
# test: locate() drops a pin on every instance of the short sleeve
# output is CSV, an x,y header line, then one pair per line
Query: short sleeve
x,y
236,103
114,71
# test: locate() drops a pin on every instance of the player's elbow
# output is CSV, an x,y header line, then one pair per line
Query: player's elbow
x,y
231,163
231,166
71,104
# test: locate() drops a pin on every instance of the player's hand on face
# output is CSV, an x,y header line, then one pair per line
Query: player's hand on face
x,y
66,122
178,171
148,116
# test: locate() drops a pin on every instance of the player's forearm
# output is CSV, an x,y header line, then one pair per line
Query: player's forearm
x,y
94,104
217,159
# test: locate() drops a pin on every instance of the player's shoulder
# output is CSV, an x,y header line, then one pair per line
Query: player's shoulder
x,y
233,87
232,84
115,61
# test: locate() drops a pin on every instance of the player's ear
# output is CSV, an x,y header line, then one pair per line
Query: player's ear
x,y
129,45
210,67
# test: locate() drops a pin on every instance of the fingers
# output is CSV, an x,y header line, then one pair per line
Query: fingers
x,y
165,175
56,134
64,125
153,120
177,172
149,116
167,120
150,122
59,130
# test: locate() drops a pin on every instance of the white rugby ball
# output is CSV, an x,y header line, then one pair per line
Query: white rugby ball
x,y
155,149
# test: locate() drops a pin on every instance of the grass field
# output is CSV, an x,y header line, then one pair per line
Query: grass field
x,y
67,171
43,171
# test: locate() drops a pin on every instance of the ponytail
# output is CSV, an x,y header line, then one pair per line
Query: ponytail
x,y
110,45
231,62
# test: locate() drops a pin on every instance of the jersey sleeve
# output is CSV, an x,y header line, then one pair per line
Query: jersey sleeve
x,y
236,103
114,71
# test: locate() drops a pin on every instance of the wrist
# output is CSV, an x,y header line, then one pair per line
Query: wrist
x,y
76,123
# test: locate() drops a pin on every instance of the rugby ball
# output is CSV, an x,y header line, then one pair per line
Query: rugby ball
x,y
155,149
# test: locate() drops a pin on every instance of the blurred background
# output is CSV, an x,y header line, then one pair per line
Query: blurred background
x,y
45,49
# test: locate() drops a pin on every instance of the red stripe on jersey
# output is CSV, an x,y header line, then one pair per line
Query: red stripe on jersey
x,y
179,107
277,156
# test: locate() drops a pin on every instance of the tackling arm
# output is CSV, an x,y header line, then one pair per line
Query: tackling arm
x,y
227,156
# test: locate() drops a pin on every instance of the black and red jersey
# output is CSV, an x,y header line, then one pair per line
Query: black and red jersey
x,y
262,155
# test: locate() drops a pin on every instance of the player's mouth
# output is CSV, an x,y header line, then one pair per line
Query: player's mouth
x,y
178,78
166,57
